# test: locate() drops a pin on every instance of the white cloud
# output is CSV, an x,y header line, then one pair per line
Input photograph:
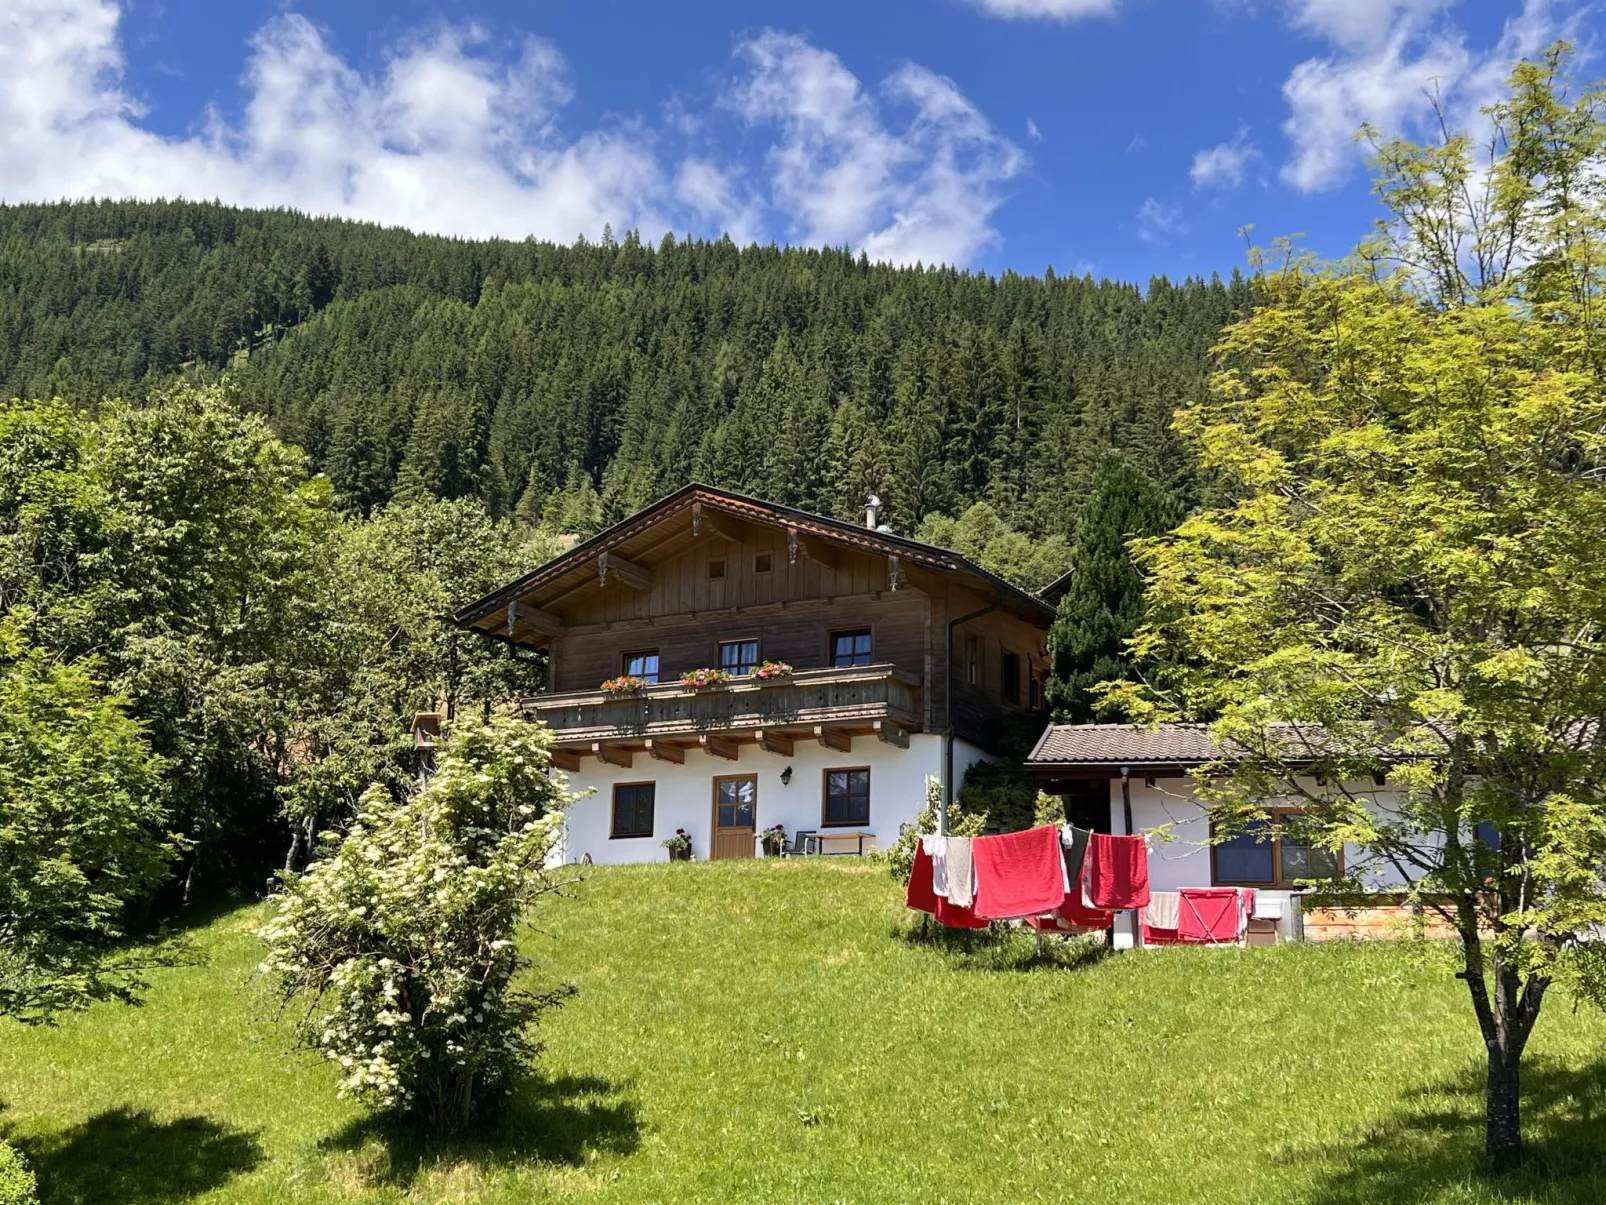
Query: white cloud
x,y
446,138
1032,132
1050,10
458,133
1159,222
840,174
1389,56
1224,165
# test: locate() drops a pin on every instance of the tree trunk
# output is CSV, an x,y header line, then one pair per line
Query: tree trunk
x,y
1502,1141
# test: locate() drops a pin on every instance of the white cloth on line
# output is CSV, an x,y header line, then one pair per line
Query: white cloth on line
x,y
961,873
937,849
1163,909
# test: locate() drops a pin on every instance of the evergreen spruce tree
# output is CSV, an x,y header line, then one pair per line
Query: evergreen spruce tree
x,y
1104,605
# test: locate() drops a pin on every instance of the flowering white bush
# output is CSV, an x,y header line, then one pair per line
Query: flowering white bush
x,y
402,941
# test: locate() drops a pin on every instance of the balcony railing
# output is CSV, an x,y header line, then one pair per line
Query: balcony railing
x,y
858,697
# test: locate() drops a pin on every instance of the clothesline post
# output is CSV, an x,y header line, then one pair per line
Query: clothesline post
x,y
1136,936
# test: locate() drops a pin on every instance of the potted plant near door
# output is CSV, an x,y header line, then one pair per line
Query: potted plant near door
x,y
679,846
774,839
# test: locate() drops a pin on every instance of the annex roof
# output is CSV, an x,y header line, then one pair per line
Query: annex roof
x,y
668,527
1100,747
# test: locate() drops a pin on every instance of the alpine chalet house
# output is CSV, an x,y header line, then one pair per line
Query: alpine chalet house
x,y
830,668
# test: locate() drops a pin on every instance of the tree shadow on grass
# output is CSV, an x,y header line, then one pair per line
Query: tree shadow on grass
x,y
1433,1149
1001,948
127,1157
564,1120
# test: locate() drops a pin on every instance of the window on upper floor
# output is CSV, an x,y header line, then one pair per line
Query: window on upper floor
x,y
643,664
850,648
632,809
1009,675
738,657
1036,693
973,660
847,797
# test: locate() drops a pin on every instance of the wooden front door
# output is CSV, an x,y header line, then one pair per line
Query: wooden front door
x,y
735,808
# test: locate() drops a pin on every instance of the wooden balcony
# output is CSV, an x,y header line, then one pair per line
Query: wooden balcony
x,y
831,706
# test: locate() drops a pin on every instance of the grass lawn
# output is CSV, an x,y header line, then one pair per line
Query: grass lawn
x,y
778,1032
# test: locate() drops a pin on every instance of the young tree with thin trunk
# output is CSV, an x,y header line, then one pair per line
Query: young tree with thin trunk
x,y
1411,574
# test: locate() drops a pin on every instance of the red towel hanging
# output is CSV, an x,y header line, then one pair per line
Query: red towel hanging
x,y
1117,871
920,895
1018,874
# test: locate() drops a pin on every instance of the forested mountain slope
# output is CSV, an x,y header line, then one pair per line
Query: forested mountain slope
x,y
528,373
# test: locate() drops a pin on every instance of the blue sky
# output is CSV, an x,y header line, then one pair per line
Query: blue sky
x,y
1123,137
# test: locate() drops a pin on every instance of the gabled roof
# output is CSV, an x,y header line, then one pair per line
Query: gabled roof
x,y
642,534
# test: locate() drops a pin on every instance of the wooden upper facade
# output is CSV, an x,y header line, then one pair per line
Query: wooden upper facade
x,y
706,578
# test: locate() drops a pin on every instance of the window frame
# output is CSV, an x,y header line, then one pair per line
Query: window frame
x,y
624,664
1279,881
867,630
825,796
613,812
974,661
723,568
1009,683
758,654
769,562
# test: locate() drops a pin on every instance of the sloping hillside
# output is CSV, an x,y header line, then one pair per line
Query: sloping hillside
x,y
763,1032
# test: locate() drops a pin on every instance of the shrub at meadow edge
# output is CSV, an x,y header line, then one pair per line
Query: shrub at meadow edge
x,y
402,942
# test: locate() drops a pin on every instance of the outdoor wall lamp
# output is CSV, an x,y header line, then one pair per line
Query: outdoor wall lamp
x,y
786,777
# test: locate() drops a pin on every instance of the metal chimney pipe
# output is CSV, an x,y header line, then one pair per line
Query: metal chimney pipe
x,y
870,508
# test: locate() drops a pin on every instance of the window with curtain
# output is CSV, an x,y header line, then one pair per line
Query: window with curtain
x,y
632,809
850,648
847,796
738,657
642,665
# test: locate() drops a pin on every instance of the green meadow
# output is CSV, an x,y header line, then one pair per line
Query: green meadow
x,y
782,1032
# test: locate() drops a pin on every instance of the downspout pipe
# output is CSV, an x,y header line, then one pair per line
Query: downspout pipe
x,y
948,719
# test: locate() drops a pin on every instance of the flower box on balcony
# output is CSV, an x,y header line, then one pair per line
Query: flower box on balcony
x,y
625,684
703,679
770,671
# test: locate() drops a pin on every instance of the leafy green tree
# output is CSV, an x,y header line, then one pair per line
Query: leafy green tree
x,y
1103,604
1410,572
392,651
402,943
82,834
981,535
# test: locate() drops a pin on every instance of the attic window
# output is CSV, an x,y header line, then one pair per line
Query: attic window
x,y
716,571
762,562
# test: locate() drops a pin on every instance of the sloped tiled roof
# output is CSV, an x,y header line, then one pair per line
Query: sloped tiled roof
x,y
1124,744
1088,746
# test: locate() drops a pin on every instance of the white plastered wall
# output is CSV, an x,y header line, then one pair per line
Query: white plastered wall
x,y
684,793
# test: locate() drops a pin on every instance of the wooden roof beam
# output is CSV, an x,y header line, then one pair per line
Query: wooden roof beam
x,y
713,523
627,573
834,738
775,742
810,546
566,760
718,746
892,734
523,615
663,751
614,755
